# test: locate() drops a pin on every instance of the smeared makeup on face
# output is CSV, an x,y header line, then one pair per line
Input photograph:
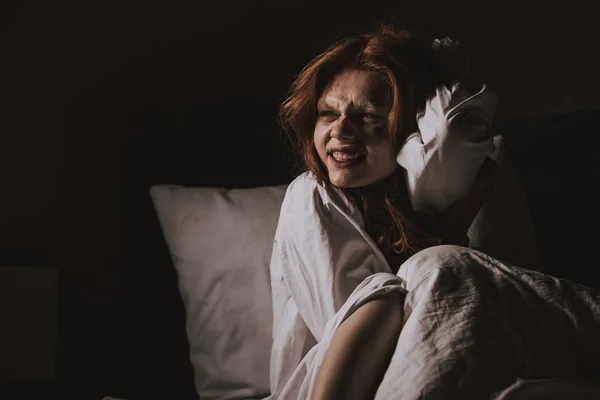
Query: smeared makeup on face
x,y
350,133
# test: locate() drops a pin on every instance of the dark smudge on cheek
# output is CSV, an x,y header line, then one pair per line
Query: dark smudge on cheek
x,y
375,134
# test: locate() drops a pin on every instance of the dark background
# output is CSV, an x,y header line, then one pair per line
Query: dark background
x,y
81,80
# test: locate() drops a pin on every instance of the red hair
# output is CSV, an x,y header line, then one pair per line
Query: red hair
x,y
411,69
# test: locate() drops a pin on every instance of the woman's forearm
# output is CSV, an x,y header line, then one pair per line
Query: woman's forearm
x,y
360,351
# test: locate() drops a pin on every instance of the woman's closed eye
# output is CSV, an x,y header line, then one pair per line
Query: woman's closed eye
x,y
327,115
370,117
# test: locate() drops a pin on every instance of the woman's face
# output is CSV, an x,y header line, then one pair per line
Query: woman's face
x,y
350,132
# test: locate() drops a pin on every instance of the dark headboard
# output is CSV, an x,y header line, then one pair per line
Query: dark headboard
x,y
555,158
199,144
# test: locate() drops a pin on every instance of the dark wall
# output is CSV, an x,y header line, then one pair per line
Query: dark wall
x,y
69,67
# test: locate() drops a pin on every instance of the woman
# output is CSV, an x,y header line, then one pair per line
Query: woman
x,y
366,301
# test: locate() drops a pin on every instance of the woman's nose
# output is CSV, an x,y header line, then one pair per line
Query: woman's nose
x,y
344,128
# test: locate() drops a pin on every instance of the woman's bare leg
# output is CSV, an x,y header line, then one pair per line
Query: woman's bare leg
x,y
360,351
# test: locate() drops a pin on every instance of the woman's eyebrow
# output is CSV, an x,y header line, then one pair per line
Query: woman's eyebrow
x,y
355,106
363,105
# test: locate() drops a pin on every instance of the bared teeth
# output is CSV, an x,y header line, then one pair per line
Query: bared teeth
x,y
340,156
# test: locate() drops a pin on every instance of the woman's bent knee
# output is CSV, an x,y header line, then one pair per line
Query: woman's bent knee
x,y
432,261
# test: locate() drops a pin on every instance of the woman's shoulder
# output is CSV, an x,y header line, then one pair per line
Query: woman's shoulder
x,y
305,191
307,184
306,180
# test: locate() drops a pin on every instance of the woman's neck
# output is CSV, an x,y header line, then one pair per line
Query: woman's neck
x,y
389,218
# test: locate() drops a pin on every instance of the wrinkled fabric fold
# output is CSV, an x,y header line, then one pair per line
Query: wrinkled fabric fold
x,y
472,325
324,265
454,137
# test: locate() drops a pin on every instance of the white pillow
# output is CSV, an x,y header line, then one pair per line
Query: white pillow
x,y
220,242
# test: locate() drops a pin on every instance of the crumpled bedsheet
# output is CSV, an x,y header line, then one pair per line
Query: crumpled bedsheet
x,y
472,325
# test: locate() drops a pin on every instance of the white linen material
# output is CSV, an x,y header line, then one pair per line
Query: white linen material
x,y
324,265
472,325
442,158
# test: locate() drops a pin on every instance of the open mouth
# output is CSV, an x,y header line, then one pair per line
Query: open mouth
x,y
345,159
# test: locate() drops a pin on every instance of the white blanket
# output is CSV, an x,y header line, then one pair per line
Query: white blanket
x,y
472,324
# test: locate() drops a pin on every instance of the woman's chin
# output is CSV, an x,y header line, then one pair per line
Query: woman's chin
x,y
343,181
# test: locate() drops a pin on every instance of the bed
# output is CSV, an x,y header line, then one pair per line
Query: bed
x,y
552,155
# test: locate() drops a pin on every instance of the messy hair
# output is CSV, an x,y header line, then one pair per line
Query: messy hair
x,y
411,69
